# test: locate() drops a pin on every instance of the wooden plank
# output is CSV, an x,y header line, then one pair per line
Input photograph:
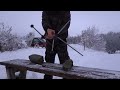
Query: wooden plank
x,y
77,72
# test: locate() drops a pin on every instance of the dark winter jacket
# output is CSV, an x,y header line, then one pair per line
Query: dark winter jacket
x,y
56,20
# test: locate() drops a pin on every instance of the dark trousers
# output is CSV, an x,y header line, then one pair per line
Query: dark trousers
x,y
59,48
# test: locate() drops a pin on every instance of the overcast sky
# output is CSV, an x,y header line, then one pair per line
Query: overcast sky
x,y
105,21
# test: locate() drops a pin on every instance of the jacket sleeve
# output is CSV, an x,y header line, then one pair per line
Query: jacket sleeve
x,y
45,21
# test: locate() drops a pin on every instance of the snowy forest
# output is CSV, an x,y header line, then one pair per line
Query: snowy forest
x,y
89,38
10,41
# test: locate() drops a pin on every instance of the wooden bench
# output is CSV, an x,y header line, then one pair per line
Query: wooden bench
x,y
77,72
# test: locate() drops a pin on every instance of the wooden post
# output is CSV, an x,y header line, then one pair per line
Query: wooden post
x,y
10,73
22,74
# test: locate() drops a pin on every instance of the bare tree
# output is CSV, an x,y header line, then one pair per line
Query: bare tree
x,y
8,40
91,39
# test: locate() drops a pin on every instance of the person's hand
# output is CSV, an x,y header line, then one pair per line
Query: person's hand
x,y
50,33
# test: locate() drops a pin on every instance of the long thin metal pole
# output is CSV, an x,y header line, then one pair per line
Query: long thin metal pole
x,y
53,45
63,27
32,26
70,46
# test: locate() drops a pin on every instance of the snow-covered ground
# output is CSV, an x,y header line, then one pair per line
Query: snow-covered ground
x,y
91,58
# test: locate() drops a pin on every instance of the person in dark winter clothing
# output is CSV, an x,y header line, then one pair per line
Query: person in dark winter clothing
x,y
52,22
